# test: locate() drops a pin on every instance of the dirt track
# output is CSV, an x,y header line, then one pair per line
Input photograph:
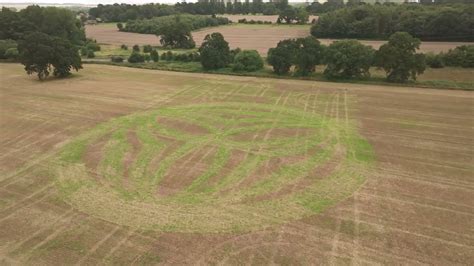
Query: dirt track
x,y
257,37
415,208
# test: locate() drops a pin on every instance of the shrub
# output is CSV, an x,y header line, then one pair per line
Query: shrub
x,y
116,59
124,47
434,60
215,52
5,45
120,26
168,56
462,56
233,53
93,46
248,60
348,59
136,48
147,58
11,53
84,51
154,55
147,48
136,57
90,54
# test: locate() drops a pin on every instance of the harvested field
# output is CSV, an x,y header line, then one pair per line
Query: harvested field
x,y
244,36
128,166
270,18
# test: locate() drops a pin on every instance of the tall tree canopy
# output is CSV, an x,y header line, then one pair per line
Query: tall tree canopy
x,y
399,59
42,53
215,52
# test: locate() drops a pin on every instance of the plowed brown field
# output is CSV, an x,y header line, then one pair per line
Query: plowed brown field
x,y
415,206
255,37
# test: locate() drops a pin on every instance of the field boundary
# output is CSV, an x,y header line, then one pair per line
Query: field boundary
x,y
431,84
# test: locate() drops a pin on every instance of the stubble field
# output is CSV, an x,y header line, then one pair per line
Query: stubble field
x,y
244,36
128,166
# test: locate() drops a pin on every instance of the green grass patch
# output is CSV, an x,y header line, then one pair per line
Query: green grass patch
x,y
260,190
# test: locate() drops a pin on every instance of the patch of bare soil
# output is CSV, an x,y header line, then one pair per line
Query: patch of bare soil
x,y
183,126
109,34
185,170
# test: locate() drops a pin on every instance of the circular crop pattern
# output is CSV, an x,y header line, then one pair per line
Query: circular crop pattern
x,y
212,167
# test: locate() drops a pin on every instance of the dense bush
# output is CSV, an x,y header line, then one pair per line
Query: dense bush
x,y
434,60
90,54
245,21
154,55
116,59
183,57
92,46
11,53
136,57
380,21
147,48
124,47
233,53
158,25
136,48
348,59
462,56
215,52
247,60
6,45
399,59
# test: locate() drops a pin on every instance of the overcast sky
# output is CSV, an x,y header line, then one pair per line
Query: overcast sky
x,y
95,2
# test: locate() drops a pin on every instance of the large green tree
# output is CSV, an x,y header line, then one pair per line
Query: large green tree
x,y
348,59
399,59
308,54
215,52
281,58
176,34
43,54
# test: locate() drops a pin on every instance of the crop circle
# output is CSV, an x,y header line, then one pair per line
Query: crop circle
x,y
212,167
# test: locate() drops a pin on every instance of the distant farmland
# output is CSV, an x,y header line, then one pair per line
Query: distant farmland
x,y
244,36
129,166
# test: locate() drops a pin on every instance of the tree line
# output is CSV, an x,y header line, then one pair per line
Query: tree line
x,y
427,22
125,12
158,24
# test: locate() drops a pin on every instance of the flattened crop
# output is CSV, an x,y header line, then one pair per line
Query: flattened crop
x,y
197,185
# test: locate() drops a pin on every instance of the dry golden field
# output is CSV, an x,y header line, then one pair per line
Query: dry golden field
x,y
126,166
